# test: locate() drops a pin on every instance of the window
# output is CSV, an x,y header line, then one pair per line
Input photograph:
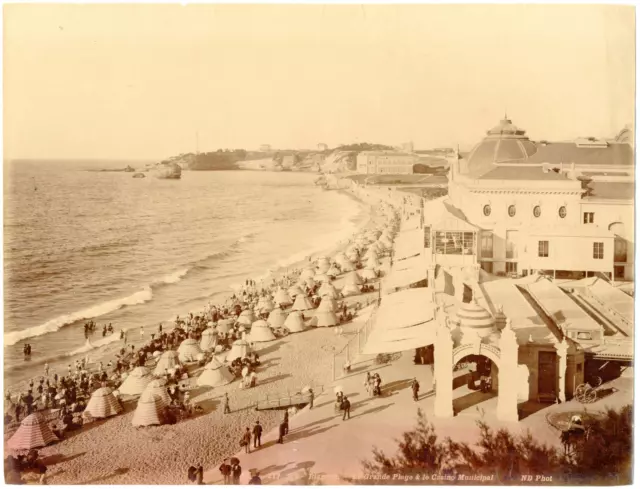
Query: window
x,y
584,335
427,236
588,218
486,210
512,267
455,243
620,250
543,249
598,251
486,245
511,248
512,210
536,211
562,212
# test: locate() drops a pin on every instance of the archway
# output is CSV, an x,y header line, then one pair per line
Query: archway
x,y
475,382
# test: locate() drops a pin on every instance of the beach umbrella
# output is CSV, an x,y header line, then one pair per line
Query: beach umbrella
x,y
260,332
277,318
369,273
32,433
323,319
136,381
159,387
224,326
215,374
149,410
168,360
189,350
246,317
294,322
302,303
239,349
282,298
209,339
295,290
103,404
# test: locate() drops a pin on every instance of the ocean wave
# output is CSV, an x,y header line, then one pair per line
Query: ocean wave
x,y
98,310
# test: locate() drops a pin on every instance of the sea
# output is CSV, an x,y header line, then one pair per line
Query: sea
x,y
82,244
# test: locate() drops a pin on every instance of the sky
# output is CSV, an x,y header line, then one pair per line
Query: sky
x,y
140,81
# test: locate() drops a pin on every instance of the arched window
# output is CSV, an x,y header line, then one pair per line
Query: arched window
x,y
512,210
536,211
487,210
562,212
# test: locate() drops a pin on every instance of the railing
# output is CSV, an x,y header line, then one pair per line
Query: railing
x,y
282,400
355,345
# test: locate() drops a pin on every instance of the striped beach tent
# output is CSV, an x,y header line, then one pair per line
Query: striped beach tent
x,y
260,332
103,404
215,374
302,303
136,382
277,318
159,387
282,298
32,433
239,349
209,339
265,304
168,360
294,322
246,317
149,410
189,350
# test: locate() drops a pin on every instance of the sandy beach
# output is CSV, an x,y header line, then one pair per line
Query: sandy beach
x,y
112,451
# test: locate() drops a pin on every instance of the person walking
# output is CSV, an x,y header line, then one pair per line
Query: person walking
x,y
346,408
246,441
311,397
226,404
257,435
236,472
281,433
286,422
415,387
225,470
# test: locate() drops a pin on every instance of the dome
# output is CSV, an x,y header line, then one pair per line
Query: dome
x,y
503,144
473,316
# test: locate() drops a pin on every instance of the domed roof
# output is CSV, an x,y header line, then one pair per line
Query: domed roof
x,y
504,144
473,316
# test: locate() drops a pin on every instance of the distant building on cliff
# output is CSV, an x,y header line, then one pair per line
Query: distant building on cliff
x,y
385,162
265,148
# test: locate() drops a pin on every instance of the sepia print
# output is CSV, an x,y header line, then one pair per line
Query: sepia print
x,y
318,244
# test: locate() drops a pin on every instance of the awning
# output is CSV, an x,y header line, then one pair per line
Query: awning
x,y
400,340
419,261
404,309
403,278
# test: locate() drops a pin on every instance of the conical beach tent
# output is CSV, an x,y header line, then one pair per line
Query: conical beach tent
x,y
353,278
324,319
32,433
136,382
159,387
302,303
294,322
265,304
215,374
327,304
246,317
333,271
239,349
260,332
103,404
168,360
323,278
328,290
189,350
282,298
294,291
149,410
209,339
224,326
277,318
369,273
350,289
323,265
307,273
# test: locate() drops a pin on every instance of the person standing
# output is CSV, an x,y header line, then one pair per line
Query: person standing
x,y
415,387
311,397
46,370
246,440
226,404
346,408
281,433
286,422
236,472
257,435
225,470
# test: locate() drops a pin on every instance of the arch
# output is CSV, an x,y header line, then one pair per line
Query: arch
x,y
489,351
617,228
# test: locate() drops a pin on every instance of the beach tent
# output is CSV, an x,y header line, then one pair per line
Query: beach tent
x,y
353,278
246,317
136,381
149,410
346,266
295,290
260,331
265,304
307,273
239,349
322,277
327,304
209,339
103,404
323,266
368,273
302,303
328,290
224,326
189,350
168,360
215,374
324,318
373,262
282,298
333,271
350,289
159,387
32,433
277,318
294,322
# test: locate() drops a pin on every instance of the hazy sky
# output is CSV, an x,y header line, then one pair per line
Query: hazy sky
x,y
126,81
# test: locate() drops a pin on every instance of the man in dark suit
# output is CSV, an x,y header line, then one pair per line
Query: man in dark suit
x,y
257,434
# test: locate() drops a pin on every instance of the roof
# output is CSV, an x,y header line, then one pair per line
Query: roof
x,y
506,172
386,153
575,231
614,154
611,191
